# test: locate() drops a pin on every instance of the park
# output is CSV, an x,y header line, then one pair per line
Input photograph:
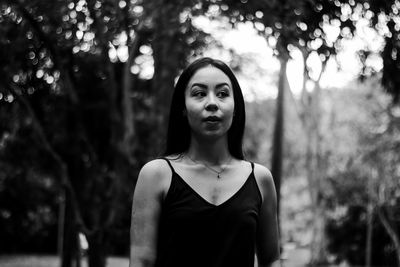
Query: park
x,y
85,90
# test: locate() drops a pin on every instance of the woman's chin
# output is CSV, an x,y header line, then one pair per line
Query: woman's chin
x,y
211,135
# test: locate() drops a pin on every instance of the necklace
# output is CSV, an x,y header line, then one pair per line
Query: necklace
x,y
211,169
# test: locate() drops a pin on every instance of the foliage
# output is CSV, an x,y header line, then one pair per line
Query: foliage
x,y
77,110
347,239
28,207
383,16
367,177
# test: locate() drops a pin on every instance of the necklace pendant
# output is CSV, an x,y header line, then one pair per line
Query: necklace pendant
x,y
218,176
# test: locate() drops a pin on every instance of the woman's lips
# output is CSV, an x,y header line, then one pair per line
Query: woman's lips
x,y
212,119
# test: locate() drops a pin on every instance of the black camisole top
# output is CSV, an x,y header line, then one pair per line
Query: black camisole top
x,y
196,233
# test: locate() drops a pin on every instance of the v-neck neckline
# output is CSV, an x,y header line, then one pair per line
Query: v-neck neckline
x,y
199,196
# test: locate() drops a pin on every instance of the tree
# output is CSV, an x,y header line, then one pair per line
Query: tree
x,y
175,39
87,106
298,24
358,188
382,16
383,179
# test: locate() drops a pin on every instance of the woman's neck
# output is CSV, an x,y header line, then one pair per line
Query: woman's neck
x,y
214,152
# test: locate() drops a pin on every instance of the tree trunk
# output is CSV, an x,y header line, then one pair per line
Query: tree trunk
x,y
126,102
97,251
168,60
318,246
368,248
278,137
370,214
61,223
315,166
70,246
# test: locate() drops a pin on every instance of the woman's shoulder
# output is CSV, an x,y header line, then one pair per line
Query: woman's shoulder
x,y
264,180
155,170
262,172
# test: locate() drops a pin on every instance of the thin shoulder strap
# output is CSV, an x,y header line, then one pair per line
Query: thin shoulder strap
x,y
169,163
257,185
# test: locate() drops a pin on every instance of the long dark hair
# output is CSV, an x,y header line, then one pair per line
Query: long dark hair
x,y
178,135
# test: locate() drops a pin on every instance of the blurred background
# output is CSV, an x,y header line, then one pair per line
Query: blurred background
x,y
85,87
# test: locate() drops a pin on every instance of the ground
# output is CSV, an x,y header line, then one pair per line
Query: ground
x,y
294,257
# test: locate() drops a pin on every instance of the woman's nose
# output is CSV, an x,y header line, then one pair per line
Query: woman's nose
x,y
211,104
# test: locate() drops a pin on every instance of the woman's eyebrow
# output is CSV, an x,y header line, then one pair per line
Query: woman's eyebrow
x,y
222,84
199,85
204,86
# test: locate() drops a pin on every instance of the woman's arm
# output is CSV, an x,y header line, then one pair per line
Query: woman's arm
x,y
152,184
267,233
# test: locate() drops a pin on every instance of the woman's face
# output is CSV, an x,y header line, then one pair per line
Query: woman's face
x,y
209,103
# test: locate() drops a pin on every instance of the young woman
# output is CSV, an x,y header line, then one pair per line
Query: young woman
x,y
202,204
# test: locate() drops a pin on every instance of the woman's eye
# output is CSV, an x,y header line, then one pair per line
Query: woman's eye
x,y
198,93
223,94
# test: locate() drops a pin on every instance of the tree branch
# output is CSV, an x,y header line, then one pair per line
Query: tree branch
x,y
65,180
64,71
50,45
389,229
